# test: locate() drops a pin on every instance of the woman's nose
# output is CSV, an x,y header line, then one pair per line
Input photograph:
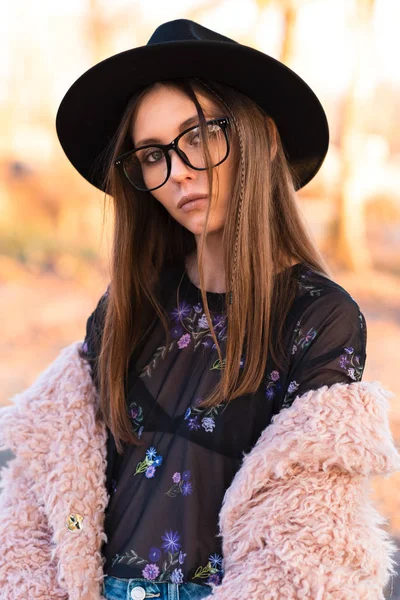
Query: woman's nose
x,y
179,169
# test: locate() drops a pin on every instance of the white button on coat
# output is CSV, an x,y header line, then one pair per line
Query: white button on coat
x,y
138,593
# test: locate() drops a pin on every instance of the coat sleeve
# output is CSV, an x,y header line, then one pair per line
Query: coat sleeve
x,y
297,520
27,568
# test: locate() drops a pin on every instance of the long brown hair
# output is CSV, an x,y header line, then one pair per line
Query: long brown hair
x,y
264,231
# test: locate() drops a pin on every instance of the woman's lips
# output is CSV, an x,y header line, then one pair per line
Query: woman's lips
x,y
195,204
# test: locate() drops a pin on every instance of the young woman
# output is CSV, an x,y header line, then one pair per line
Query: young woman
x,y
214,417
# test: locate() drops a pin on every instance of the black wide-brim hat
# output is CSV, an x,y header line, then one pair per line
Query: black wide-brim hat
x,y
91,110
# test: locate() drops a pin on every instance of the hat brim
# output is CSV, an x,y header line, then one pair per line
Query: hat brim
x,y
91,110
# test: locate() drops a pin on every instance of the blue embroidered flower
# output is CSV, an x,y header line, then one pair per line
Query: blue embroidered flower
x,y
270,393
181,312
194,423
151,453
185,475
182,557
154,554
349,350
150,571
187,413
157,461
177,576
215,560
176,332
187,488
171,541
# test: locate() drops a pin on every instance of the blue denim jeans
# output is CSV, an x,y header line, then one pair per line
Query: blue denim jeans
x,y
142,589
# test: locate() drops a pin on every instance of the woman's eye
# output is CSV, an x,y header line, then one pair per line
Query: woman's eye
x,y
152,157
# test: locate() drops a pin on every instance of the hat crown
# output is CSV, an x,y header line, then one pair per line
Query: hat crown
x,y
186,30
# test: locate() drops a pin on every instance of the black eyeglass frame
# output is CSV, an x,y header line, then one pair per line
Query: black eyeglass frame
x,y
223,122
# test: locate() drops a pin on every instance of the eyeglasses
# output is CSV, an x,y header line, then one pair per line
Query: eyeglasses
x,y
148,167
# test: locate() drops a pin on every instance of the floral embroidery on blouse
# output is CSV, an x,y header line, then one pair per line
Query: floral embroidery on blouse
x,y
173,557
136,414
272,384
302,340
190,325
203,417
181,485
213,571
149,464
350,362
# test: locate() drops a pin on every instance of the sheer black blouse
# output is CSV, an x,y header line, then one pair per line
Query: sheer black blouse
x,y
161,521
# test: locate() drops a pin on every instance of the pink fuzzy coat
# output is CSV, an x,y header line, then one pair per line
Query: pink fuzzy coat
x,y
297,521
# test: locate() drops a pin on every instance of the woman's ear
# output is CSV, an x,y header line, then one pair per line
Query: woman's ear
x,y
272,136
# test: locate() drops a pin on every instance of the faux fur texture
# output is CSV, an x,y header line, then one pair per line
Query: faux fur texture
x,y
296,523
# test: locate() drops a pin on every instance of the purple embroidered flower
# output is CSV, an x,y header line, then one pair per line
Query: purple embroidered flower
x,y
150,471
293,385
176,477
357,359
150,571
177,576
194,423
274,375
171,541
215,560
198,308
349,350
187,413
185,475
140,431
181,312
310,335
202,322
184,341
214,579
154,554
182,557
151,453
207,342
208,424
157,461
187,488
134,412
270,393
343,360
198,401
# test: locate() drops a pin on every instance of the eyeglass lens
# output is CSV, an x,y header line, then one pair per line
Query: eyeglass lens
x,y
147,168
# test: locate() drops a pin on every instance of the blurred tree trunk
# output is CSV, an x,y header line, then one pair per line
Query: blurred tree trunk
x,y
351,246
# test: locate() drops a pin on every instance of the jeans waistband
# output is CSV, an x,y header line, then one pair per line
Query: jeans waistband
x,y
115,588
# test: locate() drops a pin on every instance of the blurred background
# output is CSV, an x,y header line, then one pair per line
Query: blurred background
x,y
54,245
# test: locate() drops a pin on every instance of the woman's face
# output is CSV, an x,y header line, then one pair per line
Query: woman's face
x,y
159,115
